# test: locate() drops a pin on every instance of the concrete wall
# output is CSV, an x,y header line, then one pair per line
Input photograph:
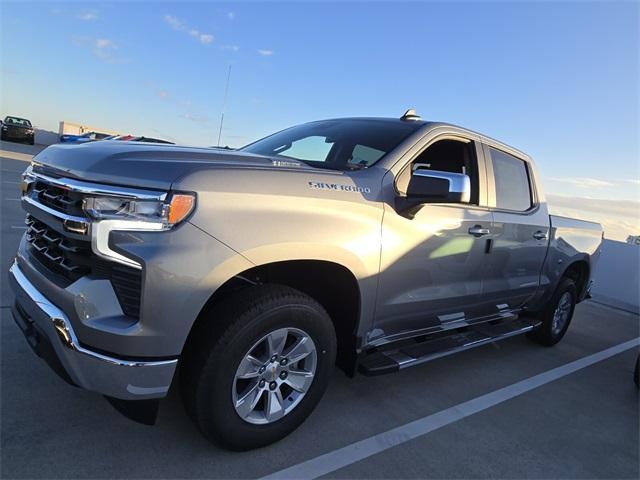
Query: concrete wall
x,y
617,276
45,137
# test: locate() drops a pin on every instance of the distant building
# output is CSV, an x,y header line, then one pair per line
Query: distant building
x,y
633,239
79,128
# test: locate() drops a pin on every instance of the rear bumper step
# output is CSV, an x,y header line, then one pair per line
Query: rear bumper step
x,y
409,355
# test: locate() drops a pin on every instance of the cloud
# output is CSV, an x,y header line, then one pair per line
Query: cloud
x,y
230,48
174,22
231,15
105,43
181,26
206,38
196,118
583,182
103,49
163,94
619,218
88,15
265,52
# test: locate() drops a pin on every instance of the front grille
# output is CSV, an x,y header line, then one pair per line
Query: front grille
x,y
60,199
64,256
69,258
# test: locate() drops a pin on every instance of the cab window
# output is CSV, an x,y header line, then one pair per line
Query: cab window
x,y
513,189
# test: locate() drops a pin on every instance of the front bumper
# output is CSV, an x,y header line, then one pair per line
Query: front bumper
x,y
50,333
17,134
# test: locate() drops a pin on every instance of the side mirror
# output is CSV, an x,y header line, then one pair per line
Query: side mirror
x,y
433,186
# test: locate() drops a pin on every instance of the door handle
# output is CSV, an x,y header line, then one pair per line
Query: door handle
x,y
479,231
540,235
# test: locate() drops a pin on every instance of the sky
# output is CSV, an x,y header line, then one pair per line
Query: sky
x,y
558,80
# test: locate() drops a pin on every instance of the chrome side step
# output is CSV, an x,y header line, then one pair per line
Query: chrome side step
x,y
414,353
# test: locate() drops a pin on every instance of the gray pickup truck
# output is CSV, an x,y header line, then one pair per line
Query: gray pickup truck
x,y
374,244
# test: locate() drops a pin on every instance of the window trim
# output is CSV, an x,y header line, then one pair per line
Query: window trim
x,y
491,180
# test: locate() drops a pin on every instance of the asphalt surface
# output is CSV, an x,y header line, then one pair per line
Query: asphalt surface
x,y
582,425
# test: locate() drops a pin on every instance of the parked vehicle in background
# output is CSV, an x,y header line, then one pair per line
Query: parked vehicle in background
x,y
123,138
18,130
379,243
83,138
151,140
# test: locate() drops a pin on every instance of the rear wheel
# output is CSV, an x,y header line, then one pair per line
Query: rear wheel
x,y
258,367
556,315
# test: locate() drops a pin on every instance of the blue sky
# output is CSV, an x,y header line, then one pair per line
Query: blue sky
x,y
558,80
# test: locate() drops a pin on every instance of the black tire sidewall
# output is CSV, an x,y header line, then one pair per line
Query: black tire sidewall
x,y
215,411
546,333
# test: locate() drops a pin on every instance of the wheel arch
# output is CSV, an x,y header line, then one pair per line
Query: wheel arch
x,y
331,284
579,271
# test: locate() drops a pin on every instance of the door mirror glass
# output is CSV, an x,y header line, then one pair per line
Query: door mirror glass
x,y
433,186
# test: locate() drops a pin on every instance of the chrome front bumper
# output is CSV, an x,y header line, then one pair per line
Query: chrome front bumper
x,y
50,334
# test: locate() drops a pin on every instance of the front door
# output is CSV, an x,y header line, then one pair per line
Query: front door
x,y
433,259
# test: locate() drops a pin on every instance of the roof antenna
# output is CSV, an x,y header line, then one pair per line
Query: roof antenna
x,y
224,105
410,115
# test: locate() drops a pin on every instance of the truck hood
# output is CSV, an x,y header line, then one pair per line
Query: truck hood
x,y
145,165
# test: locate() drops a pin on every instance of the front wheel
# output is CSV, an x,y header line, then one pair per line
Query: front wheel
x,y
556,315
256,377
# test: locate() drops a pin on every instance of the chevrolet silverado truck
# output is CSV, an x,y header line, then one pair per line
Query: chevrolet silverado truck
x,y
372,244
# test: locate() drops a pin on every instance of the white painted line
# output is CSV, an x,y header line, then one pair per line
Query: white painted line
x,y
19,227
11,199
337,459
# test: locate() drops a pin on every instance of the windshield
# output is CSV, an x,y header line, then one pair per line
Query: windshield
x,y
17,121
336,144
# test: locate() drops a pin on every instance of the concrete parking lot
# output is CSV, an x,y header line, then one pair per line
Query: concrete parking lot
x,y
508,410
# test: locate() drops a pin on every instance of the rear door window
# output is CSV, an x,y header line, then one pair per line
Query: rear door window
x,y
513,189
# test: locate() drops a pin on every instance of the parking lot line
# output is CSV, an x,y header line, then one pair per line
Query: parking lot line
x,y
342,457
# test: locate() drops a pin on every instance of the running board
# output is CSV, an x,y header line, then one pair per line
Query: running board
x,y
380,362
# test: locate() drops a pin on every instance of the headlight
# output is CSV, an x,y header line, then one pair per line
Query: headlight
x,y
27,180
130,214
159,215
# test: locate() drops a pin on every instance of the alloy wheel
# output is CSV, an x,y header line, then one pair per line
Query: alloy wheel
x,y
274,376
561,313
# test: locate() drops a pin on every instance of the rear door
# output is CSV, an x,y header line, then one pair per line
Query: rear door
x,y
520,229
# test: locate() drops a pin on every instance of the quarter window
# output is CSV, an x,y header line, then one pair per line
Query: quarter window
x,y
513,191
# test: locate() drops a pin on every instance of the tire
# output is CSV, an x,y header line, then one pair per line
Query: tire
x,y
564,298
210,383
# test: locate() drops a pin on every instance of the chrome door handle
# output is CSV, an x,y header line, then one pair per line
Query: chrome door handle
x,y
479,231
540,235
